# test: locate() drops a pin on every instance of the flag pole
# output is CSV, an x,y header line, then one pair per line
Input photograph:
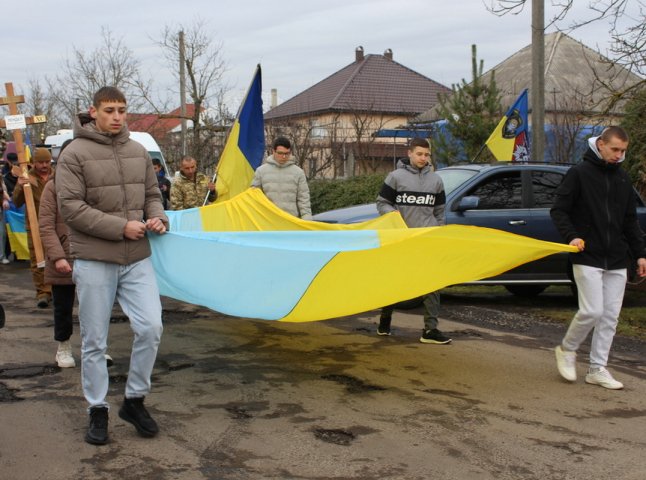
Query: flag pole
x,y
473,160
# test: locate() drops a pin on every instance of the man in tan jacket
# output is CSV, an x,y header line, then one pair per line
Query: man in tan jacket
x,y
109,198
38,176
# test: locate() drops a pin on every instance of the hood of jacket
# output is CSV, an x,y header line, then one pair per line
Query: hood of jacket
x,y
592,143
405,163
273,161
85,127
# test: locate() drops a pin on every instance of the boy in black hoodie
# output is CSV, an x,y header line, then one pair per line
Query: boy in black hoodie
x,y
595,211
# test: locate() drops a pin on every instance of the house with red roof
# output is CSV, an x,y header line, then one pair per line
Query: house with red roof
x,y
333,123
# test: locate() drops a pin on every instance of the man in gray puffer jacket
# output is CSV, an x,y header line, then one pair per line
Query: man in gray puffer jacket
x,y
284,182
109,198
417,193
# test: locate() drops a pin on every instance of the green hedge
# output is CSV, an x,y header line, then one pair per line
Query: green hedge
x,y
330,194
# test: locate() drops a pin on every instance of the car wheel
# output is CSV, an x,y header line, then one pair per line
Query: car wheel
x,y
525,290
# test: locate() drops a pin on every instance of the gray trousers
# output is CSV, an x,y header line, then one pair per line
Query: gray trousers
x,y
135,288
431,302
601,293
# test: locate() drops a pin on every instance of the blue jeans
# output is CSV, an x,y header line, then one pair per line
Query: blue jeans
x,y
135,288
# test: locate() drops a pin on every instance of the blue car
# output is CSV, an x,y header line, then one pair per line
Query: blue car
x,y
513,197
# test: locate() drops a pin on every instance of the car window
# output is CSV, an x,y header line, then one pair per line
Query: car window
x,y
500,191
544,186
453,178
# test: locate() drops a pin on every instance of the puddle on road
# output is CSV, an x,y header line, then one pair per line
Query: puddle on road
x,y
352,384
336,436
7,394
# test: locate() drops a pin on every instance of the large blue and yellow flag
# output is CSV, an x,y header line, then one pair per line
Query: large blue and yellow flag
x,y
248,258
245,146
16,231
509,140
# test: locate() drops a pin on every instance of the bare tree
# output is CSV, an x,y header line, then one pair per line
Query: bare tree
x,y
204,68
38,101
112,63
567,119
626,21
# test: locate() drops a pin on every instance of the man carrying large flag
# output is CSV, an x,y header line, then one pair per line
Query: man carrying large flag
x,y
509,140
245,146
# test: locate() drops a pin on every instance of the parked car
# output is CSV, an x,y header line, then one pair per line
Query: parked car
x,y
513,197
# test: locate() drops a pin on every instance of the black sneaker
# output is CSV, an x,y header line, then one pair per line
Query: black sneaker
x,y
97,432
384,325
133,411
43,302
434,336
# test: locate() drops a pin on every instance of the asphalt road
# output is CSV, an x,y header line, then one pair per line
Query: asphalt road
x,y
243,399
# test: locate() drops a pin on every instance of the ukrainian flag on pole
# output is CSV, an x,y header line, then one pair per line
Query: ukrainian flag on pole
x,y
245,146
509,140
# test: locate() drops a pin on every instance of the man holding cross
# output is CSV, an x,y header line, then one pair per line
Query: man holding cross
x,y
37,177
109,198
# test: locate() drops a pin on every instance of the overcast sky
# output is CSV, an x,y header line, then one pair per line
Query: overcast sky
x,y
297,42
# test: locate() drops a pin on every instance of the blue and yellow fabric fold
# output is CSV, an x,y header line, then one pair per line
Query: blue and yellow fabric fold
x,y
247,258
245,146
17,232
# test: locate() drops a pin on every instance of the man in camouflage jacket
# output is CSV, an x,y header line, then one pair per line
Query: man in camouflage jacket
x,y
190,188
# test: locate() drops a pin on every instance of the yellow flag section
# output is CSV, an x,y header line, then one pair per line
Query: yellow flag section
x,y
245,146
252,211
247,258
234,171
412,262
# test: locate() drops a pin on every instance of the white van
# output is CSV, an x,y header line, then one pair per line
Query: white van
x,y
55,142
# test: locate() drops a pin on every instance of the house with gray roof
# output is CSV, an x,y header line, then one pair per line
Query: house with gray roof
x,y
334,121
578,80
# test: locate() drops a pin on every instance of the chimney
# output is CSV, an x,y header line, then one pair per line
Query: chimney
x,y
274,98
358,54
388,54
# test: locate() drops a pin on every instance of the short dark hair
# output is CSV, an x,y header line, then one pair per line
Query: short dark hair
x,y
108,94
613,132
282,142
418,142
156,161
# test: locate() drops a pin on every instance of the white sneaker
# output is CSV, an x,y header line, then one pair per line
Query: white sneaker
x,y
5,261
566,363
603,378
64,356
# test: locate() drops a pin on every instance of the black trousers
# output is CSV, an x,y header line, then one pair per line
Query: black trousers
x,y
63,298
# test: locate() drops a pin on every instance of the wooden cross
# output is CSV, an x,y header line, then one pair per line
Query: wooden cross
x,y
12,101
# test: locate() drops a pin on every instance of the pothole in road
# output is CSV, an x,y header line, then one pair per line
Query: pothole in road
x,y
28,371
336,436
7,394
352,384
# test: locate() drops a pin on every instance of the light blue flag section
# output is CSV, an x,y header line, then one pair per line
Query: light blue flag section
x,y
248,274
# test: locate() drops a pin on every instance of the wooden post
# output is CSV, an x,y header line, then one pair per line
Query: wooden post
x,y
32,216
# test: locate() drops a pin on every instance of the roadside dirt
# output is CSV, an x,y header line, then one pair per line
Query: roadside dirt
x,y
243,399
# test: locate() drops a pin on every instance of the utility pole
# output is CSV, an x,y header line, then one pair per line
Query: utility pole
x,y
538,80
182,91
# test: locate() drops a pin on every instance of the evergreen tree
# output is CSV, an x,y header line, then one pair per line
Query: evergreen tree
x,y
634,122
472,112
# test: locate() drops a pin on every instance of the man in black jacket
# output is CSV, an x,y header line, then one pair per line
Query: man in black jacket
x,y
595,211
